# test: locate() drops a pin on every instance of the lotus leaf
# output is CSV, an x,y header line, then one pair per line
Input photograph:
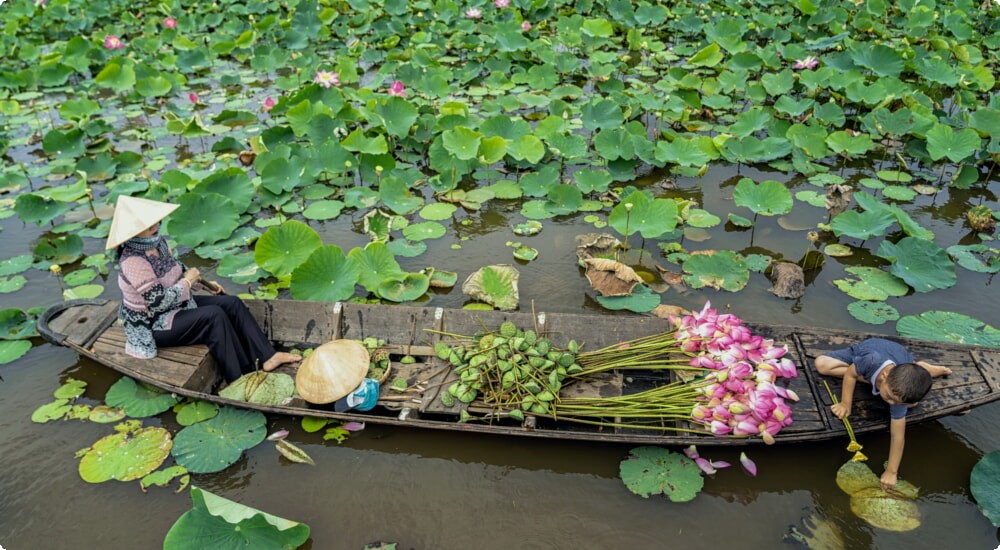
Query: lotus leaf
x,y
885,510
327,275
125,456
696,217
78,412
531,227
974,257
611,278
216,443
525,253
49,411
12,284
769,197
654,470
203,217
398,197
313,423
739,221
946,326
83,291
293,452
985,485
60,250
241,268
494,284
37,210
397,115
403,287
407,248
874,313
438,211
873,284
16,325
196,411
15,265
721,270
139,400
283,248
563,199
103,414
589,181
924,265
71,389
264,388
423,231
837,250
378,225
323,210
641,300
11,350
375,262
162,478
79,277
638,213
219,523
943,141
441,279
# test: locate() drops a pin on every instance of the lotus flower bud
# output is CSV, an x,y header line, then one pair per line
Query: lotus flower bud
x,y
55,269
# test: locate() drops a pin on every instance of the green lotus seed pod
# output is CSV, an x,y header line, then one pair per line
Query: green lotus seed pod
x,y
565,360
548,364
407,360
543,346
530,337
573,347
442,350
507,329
447,399
546,396
499,340
504,366
486,342
536,362
516,415
532,386
561,371
540,408
553,355
573,369
453,389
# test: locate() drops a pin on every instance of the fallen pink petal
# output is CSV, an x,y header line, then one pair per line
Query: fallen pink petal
x,y
705,465
280,434
354,426
748,465
719,464
691,452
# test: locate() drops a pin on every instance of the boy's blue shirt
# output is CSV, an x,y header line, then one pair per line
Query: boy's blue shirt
x,y
870,357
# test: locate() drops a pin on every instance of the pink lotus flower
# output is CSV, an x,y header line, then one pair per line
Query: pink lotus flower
x,y
809,62
397,89
525,26
113,42
170,23
327,79
354,426
269,104
193,97
474,13
501,3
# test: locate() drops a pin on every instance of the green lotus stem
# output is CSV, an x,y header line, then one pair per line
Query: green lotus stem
x,y
847,423
636,426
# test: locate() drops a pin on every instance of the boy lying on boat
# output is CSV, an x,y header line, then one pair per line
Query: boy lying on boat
x,y
894,377
158,308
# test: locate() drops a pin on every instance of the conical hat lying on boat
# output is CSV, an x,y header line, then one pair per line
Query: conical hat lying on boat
x,y
332,371
133,216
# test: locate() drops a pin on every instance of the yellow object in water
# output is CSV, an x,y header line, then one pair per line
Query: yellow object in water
x,y
854,446
859,456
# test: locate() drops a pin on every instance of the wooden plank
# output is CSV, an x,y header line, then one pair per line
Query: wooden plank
x,y
182,375
192,354
399,325
467,323
87,327
596,333
603,384
294,323
989,365
414,374
68,318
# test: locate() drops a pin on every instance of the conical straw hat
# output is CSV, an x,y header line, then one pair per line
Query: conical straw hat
x,y
133,216
332,371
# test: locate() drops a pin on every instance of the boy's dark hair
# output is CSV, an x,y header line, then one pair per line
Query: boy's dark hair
x,y
909,382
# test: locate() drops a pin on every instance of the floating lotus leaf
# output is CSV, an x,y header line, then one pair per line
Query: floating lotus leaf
x,y
37,210
525,253
899,193
241,268
721,270
221,524
71,389
103,414
327,275
203,217
216,443
125,456
946,326
11,350
15,265
767,198
403,287
696,217
494,284
985,485
12,284
924,265
739,221
974,257
49,411
378,225
649,217
79,277
654,470
375,263
884,510
872,284
314,423
162,478
60,250
196,411
641,300
83,291
16,325
323,210
874,313
441,279
407,248
283,248
423,231
263,388
438,211
531,227
139,400
837,250
611,278
758,263
78,412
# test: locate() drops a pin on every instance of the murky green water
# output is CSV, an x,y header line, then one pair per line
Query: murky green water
x,y
449,491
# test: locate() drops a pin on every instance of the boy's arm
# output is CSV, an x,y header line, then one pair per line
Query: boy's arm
x,y
843,409
897,431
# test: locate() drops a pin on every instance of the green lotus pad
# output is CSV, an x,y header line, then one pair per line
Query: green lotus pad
x,y
125,456
221,524
51,411
216,443
403,287
654,470
264,388
946,326
71,389
893,510
874,313
872,284
721,270
103,414
139,400
326,275
283,248
196,411
16,325
641,300
985,484
924,265
494,284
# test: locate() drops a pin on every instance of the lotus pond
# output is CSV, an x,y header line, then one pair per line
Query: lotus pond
x,y
386,150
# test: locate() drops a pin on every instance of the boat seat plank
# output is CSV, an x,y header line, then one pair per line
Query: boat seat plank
x,y
613,330
414,374
81,325
183,354
400,325
467,323
603,384
988,362
200,377
294,323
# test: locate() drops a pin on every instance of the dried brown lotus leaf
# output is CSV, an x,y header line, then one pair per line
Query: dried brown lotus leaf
x,y
611,278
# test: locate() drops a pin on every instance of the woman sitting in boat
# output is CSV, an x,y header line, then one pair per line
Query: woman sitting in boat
x,y
158,308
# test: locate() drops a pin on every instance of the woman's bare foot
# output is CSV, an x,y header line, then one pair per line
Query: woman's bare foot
x,y
935,370
280,358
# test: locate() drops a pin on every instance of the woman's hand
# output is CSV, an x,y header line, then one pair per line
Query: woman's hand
x,y
192,275
213,288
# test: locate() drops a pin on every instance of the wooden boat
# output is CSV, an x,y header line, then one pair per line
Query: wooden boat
x,y
88,326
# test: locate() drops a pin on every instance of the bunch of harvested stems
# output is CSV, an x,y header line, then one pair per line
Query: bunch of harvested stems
x,y
651,409
658,351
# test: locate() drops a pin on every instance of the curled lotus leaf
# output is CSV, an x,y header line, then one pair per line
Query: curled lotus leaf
x,y
378,225
641,300
216,443
103,414
611,278
530,227
494,284
403,287
838,198
924,265
375,263
126,456
139,400
654,470
594,245
261,387
441,279
525,253
217,522
162,478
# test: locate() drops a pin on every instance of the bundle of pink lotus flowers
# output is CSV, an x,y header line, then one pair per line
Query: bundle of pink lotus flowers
x,y
742,394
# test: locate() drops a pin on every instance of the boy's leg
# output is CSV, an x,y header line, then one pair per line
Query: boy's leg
x,y
835,363
934,370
